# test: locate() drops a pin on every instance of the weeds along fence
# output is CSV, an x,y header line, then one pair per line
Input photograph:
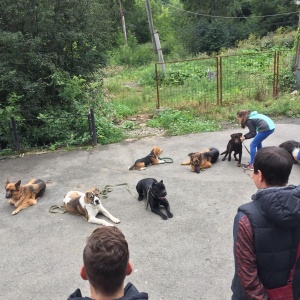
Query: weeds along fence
x,y
224,79
19,135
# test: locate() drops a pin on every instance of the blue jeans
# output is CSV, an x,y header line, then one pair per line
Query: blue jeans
x,y
256,143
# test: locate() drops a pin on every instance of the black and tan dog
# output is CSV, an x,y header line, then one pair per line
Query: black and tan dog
x,y
88,204
22,196
202,160
234,145
155,194
150,159
292,147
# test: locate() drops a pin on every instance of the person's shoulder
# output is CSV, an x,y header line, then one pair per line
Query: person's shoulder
x,y
132,293
77,296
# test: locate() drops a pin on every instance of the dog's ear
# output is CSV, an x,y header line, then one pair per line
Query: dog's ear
x,y
96,191
232,136
240,134
18,183
191,154
161,181
7,181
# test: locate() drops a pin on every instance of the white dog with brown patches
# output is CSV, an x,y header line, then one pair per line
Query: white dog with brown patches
x,y
88,205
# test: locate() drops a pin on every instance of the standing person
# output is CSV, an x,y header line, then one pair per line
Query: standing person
x,y
105,265
266,231
260,127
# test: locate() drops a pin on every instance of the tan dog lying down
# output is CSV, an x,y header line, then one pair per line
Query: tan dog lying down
x,y
150,159
202,160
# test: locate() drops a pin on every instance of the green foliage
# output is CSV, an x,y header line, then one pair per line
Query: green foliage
x,y
181,122
41,42
132,54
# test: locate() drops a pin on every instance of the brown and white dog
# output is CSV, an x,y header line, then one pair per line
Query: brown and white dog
x,y
22,196
150,159
88,204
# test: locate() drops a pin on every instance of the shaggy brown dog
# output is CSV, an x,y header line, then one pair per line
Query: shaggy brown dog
x,y
150,159
202,160
26,195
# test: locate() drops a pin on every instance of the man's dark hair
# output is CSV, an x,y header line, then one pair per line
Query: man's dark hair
x,y
275,163
105,259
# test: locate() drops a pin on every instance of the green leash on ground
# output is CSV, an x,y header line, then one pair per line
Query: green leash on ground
x,y
167,160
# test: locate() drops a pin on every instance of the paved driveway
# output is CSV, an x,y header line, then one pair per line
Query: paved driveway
x,y
187,257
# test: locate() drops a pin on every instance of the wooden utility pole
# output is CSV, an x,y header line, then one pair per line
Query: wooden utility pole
x,y
123,22
155,38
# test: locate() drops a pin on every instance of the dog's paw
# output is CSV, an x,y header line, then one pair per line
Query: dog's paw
x,y
10,201
140,198
170,215
161,161
164,217
239,164
116,220
15,212
223,159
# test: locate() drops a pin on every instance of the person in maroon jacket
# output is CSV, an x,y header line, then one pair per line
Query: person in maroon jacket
x,y
266,231
105,265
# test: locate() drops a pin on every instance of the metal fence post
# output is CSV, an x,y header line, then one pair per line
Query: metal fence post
x,y
15,134
92,127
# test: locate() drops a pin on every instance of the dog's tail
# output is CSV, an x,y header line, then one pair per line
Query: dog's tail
x,y
223,152
132,167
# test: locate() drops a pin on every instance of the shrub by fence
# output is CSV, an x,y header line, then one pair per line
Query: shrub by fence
x,y
25,134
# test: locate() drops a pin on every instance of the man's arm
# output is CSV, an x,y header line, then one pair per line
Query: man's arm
x,y
245,259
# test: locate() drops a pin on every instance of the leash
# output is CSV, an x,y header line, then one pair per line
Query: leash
x,y
57,209
167,160
246,148
108,188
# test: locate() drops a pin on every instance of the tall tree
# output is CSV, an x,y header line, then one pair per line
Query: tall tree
x,y
42,38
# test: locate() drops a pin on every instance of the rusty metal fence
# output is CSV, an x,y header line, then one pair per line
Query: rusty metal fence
x,y
223,79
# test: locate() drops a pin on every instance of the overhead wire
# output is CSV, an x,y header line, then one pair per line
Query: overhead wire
x,y
224,17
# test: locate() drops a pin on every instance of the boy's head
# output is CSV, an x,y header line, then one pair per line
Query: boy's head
x,y
274,164
106,260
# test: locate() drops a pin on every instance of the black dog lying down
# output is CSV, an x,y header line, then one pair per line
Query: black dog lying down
x,y
291,146
234,145
155,193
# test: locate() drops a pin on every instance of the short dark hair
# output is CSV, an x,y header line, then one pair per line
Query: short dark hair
x,y
275,163
105,259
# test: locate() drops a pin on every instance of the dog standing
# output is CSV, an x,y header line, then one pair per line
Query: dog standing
x,y
26,195
292,147
155,193
88,204
234,145
150,159
202,160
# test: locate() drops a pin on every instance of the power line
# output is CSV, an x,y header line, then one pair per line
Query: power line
x,y
223,17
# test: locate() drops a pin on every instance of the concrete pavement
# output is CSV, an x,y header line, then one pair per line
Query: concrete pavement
x,y
186,257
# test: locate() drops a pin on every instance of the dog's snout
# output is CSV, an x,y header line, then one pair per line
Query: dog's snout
x,y
97,202
7,196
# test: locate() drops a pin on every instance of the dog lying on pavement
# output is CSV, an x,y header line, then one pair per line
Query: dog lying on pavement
x,y
234,146
202,160
150,159
22,196
292,147
155,193
88,204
